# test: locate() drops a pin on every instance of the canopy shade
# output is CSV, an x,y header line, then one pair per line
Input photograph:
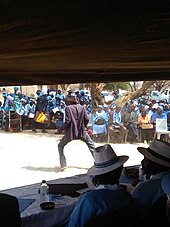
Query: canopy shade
x,y
74,41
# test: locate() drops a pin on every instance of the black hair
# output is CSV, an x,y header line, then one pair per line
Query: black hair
x,y
151,168
111,177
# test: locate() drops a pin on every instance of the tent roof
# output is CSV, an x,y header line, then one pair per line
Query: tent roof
x,y
74,41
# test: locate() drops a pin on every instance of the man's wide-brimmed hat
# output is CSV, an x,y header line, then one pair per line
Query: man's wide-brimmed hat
x,y
166,184
106,160
158,151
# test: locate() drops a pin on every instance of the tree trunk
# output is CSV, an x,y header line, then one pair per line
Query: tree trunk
x,y
136,94
96,96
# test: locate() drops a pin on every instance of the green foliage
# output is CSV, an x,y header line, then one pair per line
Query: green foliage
x,y
117,85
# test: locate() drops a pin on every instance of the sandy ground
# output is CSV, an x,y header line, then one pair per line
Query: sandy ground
x,y
28,157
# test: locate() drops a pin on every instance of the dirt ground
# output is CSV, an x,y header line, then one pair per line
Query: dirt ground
x,y
27,157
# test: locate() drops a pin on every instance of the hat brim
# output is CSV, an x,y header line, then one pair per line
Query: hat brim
x,y
144,151
93,171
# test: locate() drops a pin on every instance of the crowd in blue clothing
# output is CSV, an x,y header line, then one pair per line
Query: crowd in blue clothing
x,y
49,102
105,120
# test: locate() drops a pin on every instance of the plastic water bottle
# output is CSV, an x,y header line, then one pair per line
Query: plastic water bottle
x,y
44,190
141,175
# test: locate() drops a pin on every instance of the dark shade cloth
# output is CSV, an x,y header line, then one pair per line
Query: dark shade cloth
x,y
66,189
55,42
24,203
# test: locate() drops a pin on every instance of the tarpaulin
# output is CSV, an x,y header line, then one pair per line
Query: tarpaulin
x,y
72,41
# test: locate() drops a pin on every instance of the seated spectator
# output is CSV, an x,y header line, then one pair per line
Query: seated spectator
x,y
156,164
166,108
166,188
159,114
147,133
60,94
9,210
83,99
99,124
69,93
116,124
168,121
143,118
23,112
59,116
108,194
31,114
129,119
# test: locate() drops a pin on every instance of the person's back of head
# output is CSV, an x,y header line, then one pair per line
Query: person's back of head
x,y
112,177
152,168
156,157
71,100
107,165
107,170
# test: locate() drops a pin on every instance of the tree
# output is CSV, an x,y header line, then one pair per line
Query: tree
x,y
161,85
135,94
64,87
97,99
134,85
117,85
97,88
96,96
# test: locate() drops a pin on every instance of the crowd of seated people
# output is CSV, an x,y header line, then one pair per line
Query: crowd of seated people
x,y
135,121
26,109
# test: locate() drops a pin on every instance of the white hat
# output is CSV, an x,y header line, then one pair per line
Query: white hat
x,y
10,97
158,151
51,93
77,90
23,100
155,106
160,107
105,160
166,184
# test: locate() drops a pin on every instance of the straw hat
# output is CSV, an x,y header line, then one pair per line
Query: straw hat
x,y
158,151
106,160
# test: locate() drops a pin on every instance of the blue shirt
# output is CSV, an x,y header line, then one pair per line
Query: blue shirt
x,y
147,192
117,117
97,202
156,115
